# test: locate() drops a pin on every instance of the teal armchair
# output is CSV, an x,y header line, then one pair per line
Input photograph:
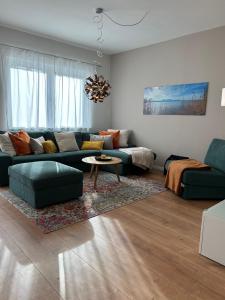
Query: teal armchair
x,y
207,184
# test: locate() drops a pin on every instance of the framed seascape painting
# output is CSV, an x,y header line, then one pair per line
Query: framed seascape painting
x,y
178,99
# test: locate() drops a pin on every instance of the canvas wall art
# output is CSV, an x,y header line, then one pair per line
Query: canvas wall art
x,y
178,99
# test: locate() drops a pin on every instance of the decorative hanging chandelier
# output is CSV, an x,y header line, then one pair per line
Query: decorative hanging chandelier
x,y
96,87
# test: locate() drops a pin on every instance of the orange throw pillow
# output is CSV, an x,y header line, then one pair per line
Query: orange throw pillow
x,y
23,135
115,136
21,142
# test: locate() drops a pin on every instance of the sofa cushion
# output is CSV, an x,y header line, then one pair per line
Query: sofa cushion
x,y
115,137
76,156
203,192
39,175
211,178
48,135
49,146
5,162
79,140
21,142
36,134
66,141
22,134
108,143
92,145
124,136
63,157
86,135
6,145
35,157
215,156
126,158
36,145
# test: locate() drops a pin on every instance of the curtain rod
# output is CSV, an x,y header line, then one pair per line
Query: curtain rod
x,y
56,56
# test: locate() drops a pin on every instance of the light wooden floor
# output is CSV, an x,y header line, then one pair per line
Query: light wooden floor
x,y
146,250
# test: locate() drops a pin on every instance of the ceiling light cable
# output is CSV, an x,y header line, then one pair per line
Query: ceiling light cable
x,y
126,25
98,19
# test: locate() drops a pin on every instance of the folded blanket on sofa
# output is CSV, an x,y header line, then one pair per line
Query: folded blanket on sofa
x,y
141,157
175,172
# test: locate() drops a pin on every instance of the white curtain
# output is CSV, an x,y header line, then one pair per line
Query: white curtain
x,y
43,91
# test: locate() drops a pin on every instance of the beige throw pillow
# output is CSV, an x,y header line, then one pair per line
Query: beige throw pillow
x,y
6,144
66,141
36,145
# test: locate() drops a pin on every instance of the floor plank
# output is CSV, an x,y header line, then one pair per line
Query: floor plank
x,y
19,278
146,250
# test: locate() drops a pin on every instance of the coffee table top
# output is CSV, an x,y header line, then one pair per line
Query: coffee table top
x,y
93,161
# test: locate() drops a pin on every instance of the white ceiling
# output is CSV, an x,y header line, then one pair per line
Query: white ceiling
x,y
72,20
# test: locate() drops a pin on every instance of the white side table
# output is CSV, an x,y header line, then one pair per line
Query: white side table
x,y
212,240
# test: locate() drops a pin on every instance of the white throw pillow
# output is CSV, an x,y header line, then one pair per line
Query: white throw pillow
x,y
66,141
124,136
6,144
36,145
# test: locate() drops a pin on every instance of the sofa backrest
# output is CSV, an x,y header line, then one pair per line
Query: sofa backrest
x,y
49,135
215,156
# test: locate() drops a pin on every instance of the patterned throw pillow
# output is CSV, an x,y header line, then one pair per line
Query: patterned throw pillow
x,y
49,146
36,145
6,145
107,139
66,141
115,135
92,145
21,142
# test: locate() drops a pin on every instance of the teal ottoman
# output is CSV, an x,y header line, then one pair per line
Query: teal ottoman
x,y
43,183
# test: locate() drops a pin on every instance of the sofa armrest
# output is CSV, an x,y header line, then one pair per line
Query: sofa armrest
x,y
133,146
5,162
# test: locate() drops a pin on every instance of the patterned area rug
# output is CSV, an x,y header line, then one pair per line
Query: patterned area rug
x,y
110,194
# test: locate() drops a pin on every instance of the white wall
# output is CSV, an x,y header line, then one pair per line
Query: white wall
x,y
102,111
194,58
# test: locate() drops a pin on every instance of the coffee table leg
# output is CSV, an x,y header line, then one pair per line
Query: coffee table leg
x,y
92,170
96,176
117,172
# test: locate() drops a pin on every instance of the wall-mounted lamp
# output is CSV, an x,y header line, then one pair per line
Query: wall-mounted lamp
x,y
223,97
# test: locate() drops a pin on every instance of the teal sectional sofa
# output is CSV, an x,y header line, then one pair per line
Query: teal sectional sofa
x,y
207,184
73,159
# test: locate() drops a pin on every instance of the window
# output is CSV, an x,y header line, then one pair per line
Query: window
x,y
67,111
29,98
44,92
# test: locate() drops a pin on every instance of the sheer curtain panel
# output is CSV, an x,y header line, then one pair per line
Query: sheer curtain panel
x,y
43,91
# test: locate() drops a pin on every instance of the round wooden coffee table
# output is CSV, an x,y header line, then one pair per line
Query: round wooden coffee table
x,y
95,164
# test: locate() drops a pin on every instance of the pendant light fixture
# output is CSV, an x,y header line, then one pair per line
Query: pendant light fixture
x,y
97,88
